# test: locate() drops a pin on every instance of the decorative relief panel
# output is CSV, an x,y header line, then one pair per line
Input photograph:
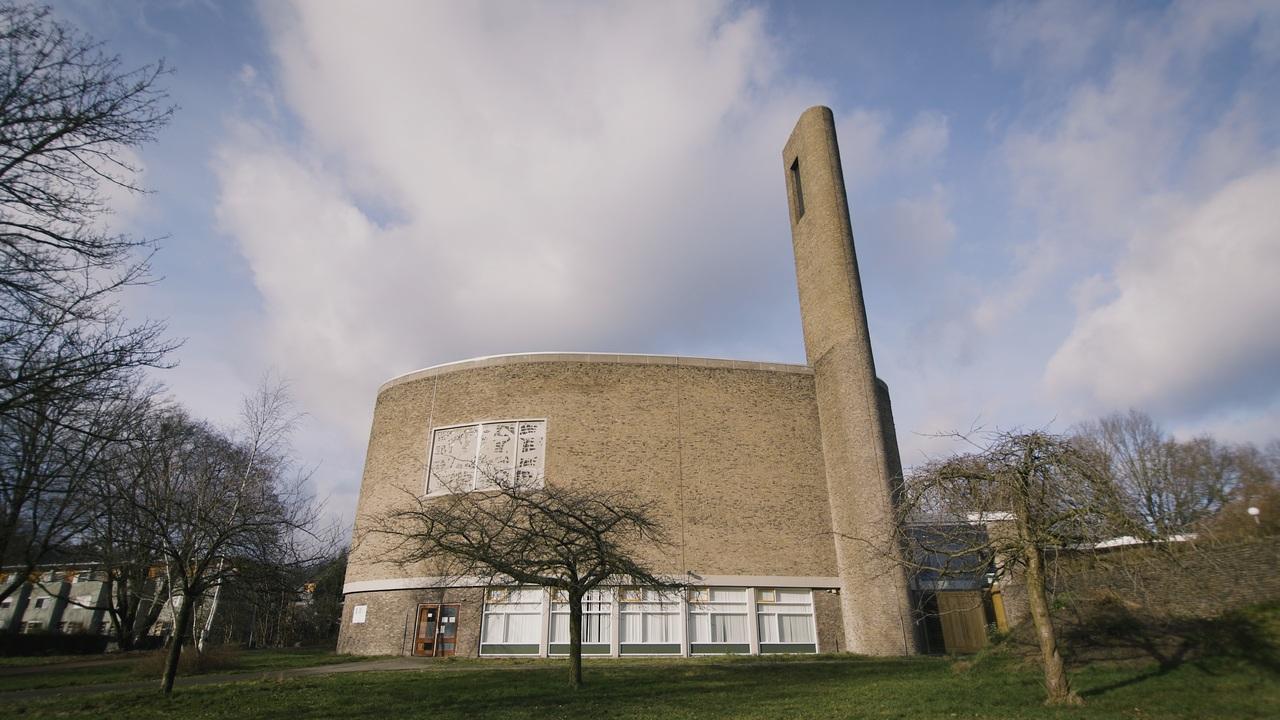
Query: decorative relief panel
x,y
485,455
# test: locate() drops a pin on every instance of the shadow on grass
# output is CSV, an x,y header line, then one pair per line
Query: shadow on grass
x,y
1112,631
688,689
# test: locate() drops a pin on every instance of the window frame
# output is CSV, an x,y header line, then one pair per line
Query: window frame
x,y
590,609
494,602
707,609
638,601
772,610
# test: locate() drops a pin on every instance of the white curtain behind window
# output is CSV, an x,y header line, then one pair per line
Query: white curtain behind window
x,y
795,628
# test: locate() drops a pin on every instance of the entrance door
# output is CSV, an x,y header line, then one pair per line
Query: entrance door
x,y
437,631
964,627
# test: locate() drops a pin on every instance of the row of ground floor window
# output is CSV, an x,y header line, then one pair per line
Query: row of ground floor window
x,y
530,621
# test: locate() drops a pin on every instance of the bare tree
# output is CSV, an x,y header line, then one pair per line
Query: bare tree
x,y
1171,487
268,418
569,539
70,116
997,511
1257,486
217,510
116,538
49,451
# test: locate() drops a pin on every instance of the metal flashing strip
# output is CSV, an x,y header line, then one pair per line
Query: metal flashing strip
x,y
422,583
593,357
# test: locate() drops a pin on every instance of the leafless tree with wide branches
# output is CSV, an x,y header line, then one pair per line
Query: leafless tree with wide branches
x,y
997,511
527,532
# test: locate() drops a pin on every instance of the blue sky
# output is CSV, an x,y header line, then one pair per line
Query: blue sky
x,y
1062,209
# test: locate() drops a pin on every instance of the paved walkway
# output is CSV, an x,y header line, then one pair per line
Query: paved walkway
x,y
385,664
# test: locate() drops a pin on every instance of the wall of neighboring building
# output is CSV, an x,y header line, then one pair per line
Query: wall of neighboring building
x,y
63,601
1201,579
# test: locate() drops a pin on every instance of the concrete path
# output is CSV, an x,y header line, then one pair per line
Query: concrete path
x,y
385,664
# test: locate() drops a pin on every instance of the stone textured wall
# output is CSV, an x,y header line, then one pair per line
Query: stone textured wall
x,y
855,442
829,621
730,456
728,452
391,617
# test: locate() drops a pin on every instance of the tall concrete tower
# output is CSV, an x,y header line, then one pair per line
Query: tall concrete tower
x,y
858,444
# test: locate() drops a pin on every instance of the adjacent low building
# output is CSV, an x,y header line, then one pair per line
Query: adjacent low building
x,y
769,478
67,599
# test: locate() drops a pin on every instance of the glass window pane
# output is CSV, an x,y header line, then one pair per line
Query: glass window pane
x,y
768,627
729,628
523,628
793,596
493,628
795,628
738,595
698,629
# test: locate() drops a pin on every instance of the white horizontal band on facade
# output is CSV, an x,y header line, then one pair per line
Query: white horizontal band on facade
x,y
423,583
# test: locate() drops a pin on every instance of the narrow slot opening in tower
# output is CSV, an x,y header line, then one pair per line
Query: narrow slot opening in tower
x,y
795,183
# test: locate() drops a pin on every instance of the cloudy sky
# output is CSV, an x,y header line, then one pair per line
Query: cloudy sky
x,y
1061,209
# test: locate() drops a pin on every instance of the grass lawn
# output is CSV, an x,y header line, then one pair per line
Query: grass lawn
x,y
47,672
823,687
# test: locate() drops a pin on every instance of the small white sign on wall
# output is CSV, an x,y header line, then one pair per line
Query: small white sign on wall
x,y
358,614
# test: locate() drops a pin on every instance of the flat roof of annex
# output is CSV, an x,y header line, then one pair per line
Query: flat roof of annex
x,y
591,357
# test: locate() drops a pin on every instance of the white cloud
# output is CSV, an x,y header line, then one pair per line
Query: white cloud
x,y
475,181
1193,325
1144,196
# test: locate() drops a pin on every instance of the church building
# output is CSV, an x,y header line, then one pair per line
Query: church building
x,y
763,475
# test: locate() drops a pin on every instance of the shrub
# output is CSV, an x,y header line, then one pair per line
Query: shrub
x,y
192,662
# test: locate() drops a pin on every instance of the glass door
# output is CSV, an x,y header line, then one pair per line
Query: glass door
x,y
447,635
437,631
424,642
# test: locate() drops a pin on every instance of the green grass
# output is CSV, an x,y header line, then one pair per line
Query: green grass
x,y
824,687
102,669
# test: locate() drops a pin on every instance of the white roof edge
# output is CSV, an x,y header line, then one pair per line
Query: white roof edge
x,y
571,356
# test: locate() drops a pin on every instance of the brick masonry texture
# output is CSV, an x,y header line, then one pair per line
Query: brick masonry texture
x,y
731,458
391,618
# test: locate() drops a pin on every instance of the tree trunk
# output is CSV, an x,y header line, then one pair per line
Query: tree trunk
x,y
180,630
1056,684
575,638
145,620
118,611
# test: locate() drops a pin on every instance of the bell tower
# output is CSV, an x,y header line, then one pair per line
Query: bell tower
x,y
858,444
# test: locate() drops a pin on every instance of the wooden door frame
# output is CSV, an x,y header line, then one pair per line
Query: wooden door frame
x,y
435,642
